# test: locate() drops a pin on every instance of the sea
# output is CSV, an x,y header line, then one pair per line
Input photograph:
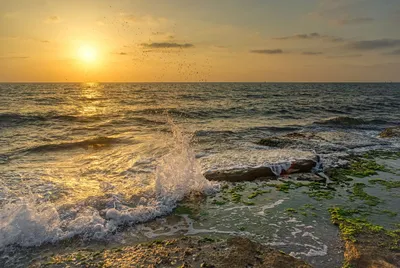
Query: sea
x,y
88,160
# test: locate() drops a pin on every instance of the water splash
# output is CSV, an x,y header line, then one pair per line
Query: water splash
x,y
28,222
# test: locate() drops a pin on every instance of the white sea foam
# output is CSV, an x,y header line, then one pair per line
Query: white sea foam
x,y
27,222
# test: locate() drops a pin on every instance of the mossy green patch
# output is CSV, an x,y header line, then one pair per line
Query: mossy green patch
x,y
321,194
248,203
382,155
236,198
183,210
350,226
257,193
389,213
291,210
388,184
359,167
359,193
219,202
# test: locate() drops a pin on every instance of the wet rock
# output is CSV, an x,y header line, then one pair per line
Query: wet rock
x,y
259,173
235,252
392,132
295,138
342,120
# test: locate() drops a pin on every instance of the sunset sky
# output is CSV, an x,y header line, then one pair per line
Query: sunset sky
x,y
185,40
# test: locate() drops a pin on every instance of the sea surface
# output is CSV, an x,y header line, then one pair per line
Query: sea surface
x,y
84,160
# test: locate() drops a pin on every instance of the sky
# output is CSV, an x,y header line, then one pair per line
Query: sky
x,y
195,41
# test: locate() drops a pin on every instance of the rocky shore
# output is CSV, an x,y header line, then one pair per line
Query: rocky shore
x,y
182,252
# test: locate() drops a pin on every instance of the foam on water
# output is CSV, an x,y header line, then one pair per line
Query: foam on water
x,y
32,222
250,158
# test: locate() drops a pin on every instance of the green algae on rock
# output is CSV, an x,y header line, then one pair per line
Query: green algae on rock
x,y
235,252
359,193
366,244
388,184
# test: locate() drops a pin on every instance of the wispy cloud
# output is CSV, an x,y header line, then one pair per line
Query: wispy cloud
x,y
354,21
312,53
310,36
53,19
122,53
167,45
374,44
267,51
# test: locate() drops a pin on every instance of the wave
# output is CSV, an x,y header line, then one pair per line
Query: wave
x,y
32,222
275,128
94,143
17,118
350,121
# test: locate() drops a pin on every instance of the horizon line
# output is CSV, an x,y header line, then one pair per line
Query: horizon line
x,y
201,82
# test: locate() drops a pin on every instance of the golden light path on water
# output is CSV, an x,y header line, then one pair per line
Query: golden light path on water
x,y
81,172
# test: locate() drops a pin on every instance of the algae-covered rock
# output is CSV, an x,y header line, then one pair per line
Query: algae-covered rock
x,y
366,244
182,252
392,132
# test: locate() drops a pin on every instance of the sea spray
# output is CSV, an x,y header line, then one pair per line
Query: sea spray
x,y
32,222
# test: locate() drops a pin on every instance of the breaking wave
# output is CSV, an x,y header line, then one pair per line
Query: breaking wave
x,y
32,222
18,119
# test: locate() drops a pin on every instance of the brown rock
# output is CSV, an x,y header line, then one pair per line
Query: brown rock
x,y
392,132
258,173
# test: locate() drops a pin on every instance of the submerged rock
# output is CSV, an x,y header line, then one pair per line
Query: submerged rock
x,y
392,132
182,252
342,120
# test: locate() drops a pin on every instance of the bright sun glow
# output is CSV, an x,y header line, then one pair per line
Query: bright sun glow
x,y
87,54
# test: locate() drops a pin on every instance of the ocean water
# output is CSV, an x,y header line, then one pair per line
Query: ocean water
x,y
85,159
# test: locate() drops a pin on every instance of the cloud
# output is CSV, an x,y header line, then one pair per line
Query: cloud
x,y
374,44
267,51
14,58
395,52
300,36
122,53
354,21
167,45
312,53
53,19
310,36
345,56
44,41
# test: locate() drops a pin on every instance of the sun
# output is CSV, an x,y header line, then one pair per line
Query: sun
x,y
87,53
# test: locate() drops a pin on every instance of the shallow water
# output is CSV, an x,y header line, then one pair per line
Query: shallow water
x,y
84,159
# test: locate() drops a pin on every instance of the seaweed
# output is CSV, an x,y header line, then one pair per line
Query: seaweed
x,y
291,210
389,184
359,193
257,193
350,226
